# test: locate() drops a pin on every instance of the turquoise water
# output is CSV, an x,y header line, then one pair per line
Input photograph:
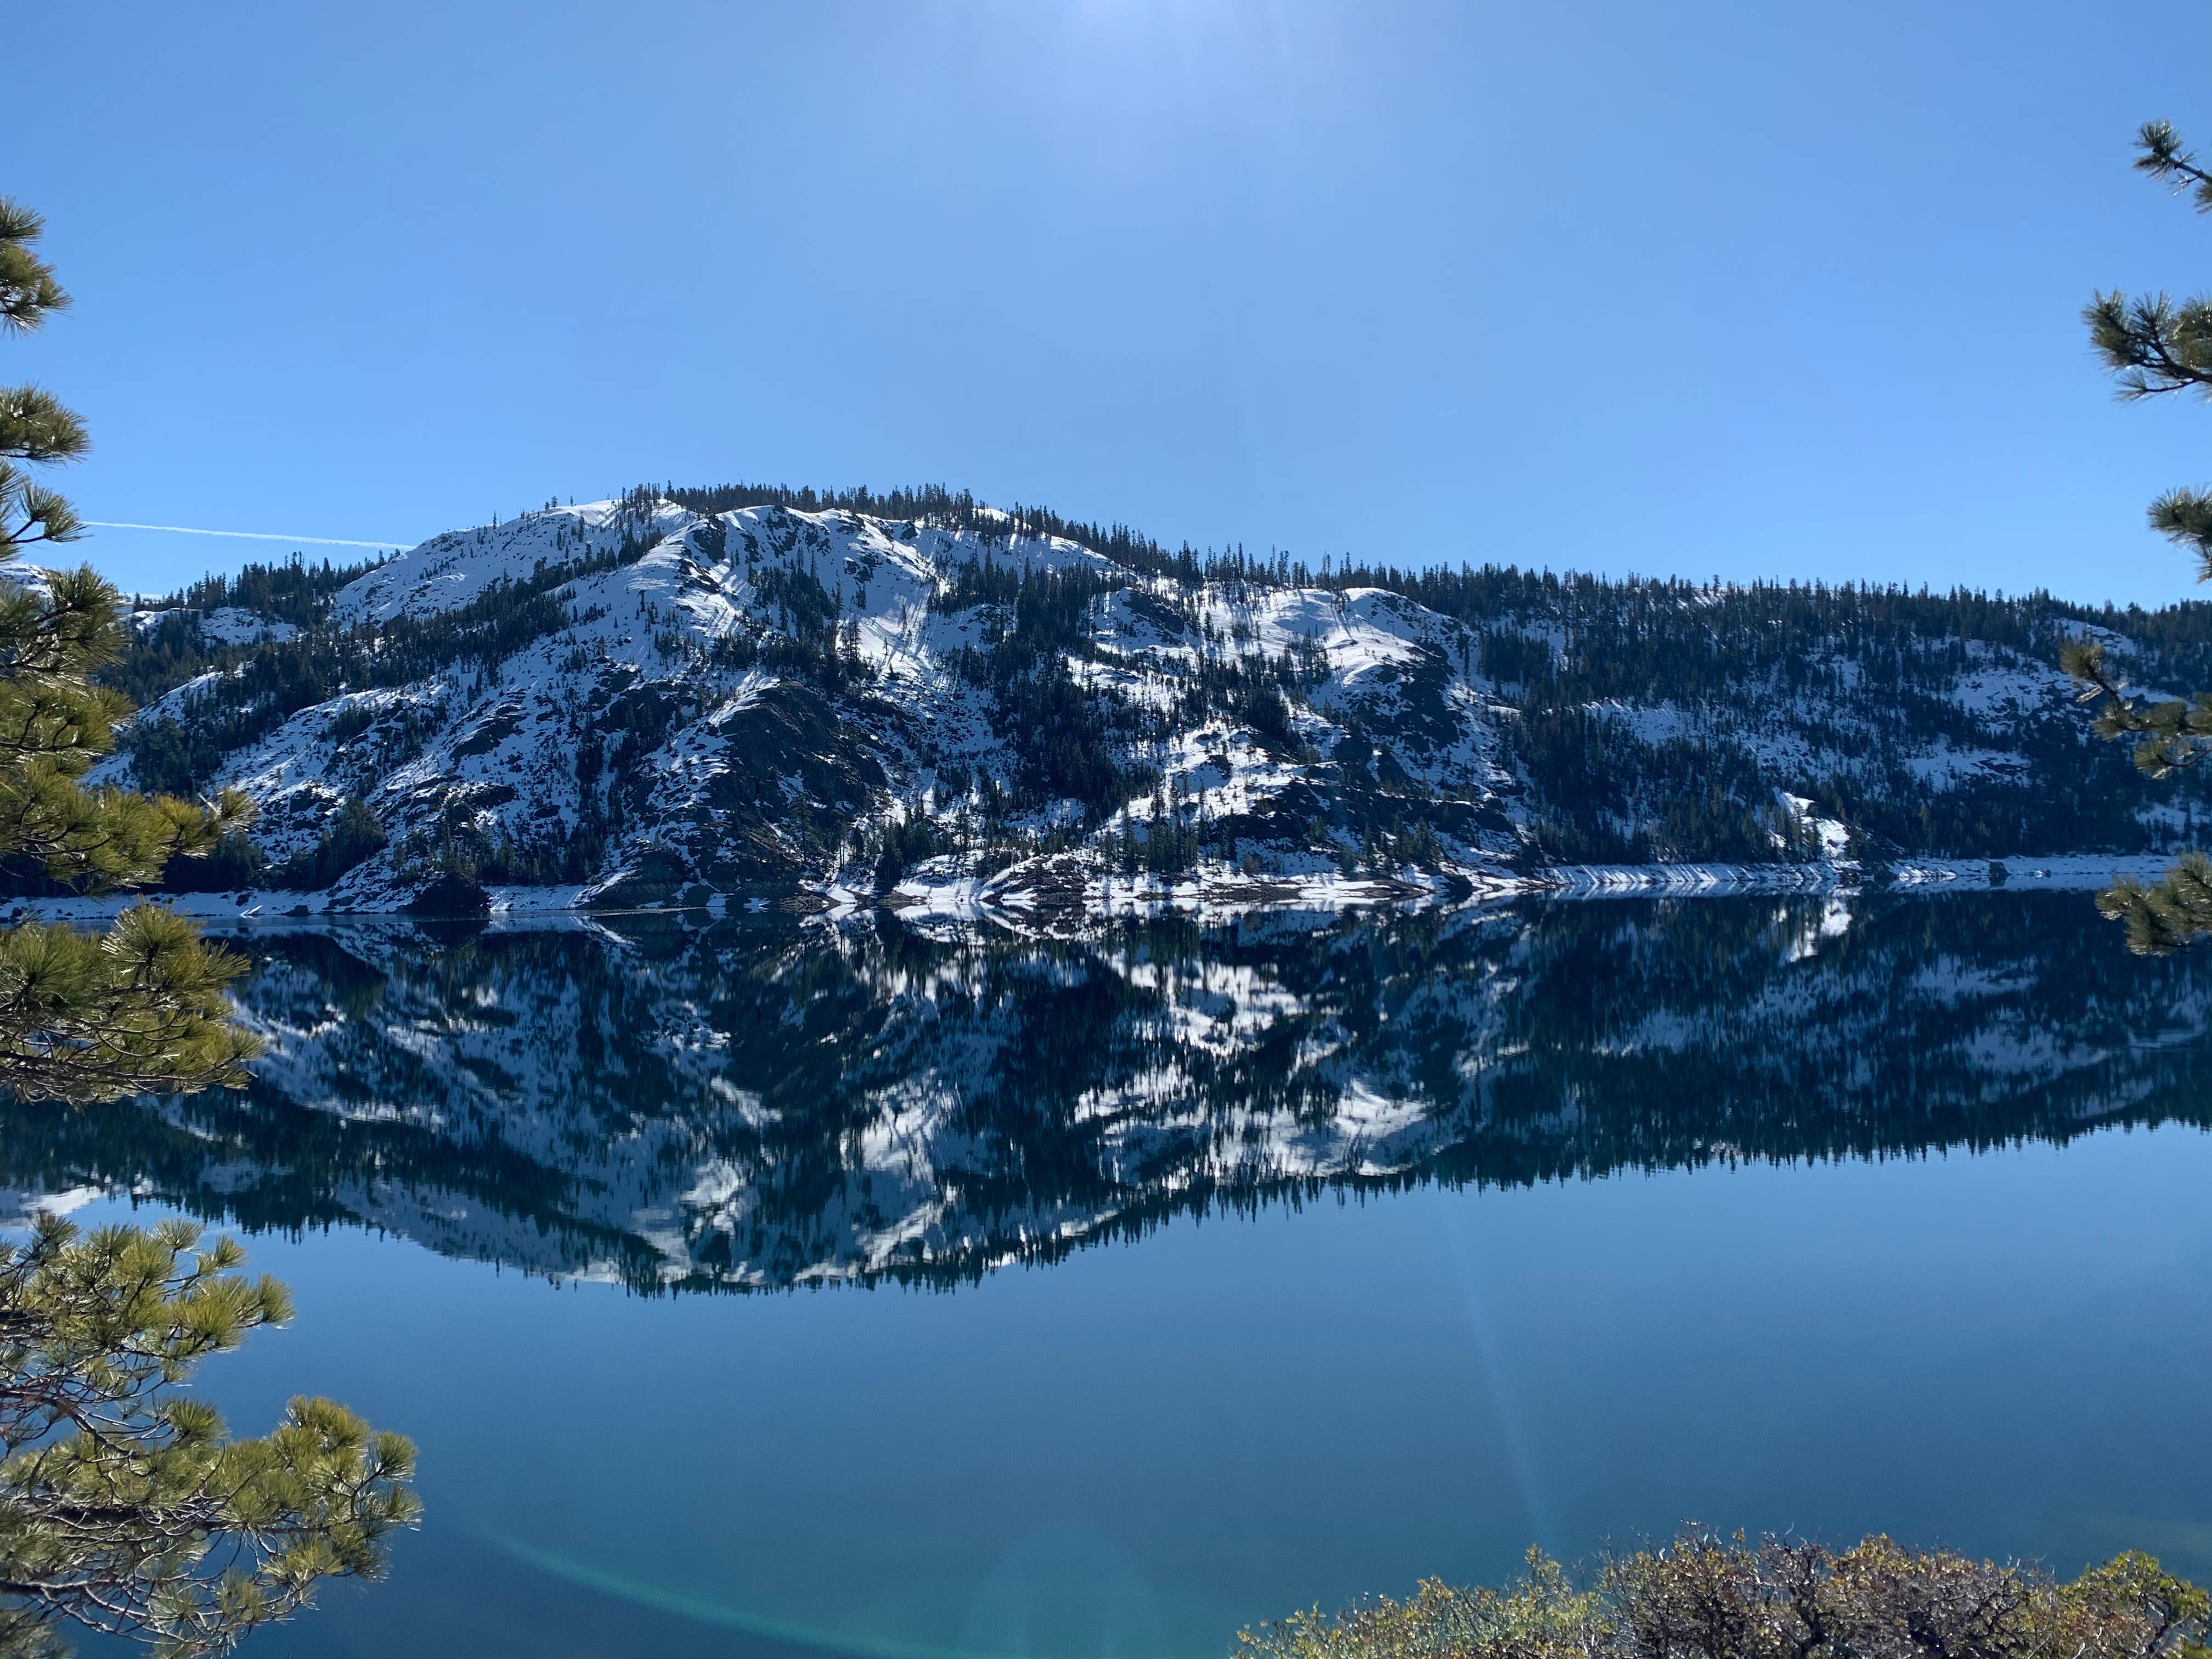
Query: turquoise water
x,y
1771,1216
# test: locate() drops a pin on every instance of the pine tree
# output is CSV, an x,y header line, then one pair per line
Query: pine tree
x,y
84,1019
127,1510
2155,345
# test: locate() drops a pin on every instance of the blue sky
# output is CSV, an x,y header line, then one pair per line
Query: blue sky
x,y
1754,291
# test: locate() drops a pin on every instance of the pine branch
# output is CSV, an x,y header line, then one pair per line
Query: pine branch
x,y
28,288
143,1009
2164,916
155,1523
2153,344
2184,517
31,513
34,426
2174,734
2163,157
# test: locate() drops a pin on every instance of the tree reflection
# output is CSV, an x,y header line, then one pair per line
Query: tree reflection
x,y
756,1105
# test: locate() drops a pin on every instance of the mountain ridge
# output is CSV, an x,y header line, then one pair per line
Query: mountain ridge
x,y
638,702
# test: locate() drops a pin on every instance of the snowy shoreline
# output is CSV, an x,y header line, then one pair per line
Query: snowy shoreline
x,y
2064,872
1210,896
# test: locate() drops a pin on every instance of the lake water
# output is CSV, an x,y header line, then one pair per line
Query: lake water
x,y
788,1287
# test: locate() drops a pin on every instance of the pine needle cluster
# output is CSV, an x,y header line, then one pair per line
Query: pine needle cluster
x,y
2155,345
127,1510
84,1019
33,426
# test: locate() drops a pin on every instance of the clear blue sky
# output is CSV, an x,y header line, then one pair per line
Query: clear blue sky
x,y
1760,289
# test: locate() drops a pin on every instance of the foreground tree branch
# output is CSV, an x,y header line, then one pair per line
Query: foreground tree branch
x,y
83,1018
126,1510
2155,345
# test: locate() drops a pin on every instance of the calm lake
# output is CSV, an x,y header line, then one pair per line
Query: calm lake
x,y
762,1287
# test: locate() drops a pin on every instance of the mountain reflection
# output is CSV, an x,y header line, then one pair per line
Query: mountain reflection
x,y
751,1105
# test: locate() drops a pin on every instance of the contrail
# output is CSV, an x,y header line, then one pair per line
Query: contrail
x,y
244,535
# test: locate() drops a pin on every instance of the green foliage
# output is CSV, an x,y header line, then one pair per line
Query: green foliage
x,y
175,649
82,1019
1062,732
232,862
906,843
354,836
28,288
293,591
1707,1597
142,1008
2155,345
2164,915
30,513
1617,800
54,724
2174,732
1044,609
128,1510
34,427
1542,1616
123,1507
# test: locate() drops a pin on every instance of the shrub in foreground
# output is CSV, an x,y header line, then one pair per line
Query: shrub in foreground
x,y
1704,1596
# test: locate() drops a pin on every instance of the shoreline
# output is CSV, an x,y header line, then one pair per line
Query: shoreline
x,y
1060,897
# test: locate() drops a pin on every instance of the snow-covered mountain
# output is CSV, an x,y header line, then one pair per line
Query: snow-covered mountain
x,y
674,1102
636,703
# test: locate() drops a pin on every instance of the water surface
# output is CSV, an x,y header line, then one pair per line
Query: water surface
x,y
779,1285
